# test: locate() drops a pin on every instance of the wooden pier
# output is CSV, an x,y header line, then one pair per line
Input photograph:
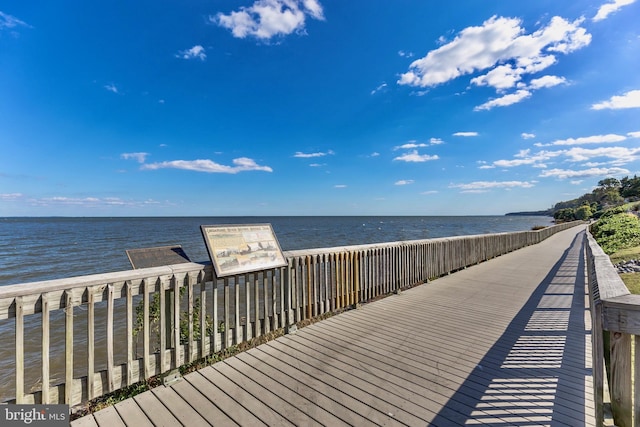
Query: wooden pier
x,y
503,343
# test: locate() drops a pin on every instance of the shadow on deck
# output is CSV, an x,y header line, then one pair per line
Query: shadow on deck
x,y
539,371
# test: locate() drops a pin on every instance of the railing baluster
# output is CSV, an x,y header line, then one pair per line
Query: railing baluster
x,y
110,365
164,319
216,325
266,324
146,285
19,350
203,313
91,305
226,314
130,326
176,321
247,307
68,386
256,311
190,301
236,311
45,349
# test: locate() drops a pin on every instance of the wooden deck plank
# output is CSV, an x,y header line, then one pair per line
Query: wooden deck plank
x,y
179,407
86,421
436,387
262,412
205,407
329,389
402,410
155,410
132,415
305,403
234,372
233,409
109,417
430,354
295,386
400,385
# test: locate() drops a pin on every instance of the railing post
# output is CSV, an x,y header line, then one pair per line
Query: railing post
x,y
621,378
288,291
597,361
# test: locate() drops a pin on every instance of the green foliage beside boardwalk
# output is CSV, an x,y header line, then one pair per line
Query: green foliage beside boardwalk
x,y
617,231
618,234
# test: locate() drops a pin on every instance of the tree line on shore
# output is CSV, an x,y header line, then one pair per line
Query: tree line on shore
x,y
609,193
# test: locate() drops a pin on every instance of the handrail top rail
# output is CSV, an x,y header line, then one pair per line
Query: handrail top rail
x,y
382,245
608,281
69,283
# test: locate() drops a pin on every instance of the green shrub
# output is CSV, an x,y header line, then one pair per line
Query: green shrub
x,y
616,231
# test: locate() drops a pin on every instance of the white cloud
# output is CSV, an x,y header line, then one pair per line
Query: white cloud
x,y
618,155
429,192
139,157
8,21
630,99
585,173
506,100
268,18
410,145
195,52
414,157
595,139
340,186
608,8
501,77
621,155
10,196
525,135
498,41
111,88
302,155
404,182
546,81
405,54
91,202
379,88
633,134
241,164
576,182
525,158
481,186
436,141
465,134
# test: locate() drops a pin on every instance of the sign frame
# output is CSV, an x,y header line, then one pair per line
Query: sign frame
x,y
242,248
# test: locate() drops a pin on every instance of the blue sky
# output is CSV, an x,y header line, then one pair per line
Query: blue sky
x,y
314,107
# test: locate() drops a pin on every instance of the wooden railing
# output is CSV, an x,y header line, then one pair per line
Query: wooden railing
x,y
82,337
615,316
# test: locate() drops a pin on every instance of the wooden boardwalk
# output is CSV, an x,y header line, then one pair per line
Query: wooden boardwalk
x,y
503,343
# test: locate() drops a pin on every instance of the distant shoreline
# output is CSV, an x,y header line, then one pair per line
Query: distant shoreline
x,y
536,213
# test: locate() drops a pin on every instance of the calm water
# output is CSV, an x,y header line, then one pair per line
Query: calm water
x,y
34,249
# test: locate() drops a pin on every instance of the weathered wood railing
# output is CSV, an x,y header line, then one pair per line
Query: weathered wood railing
x,y
615,316
79,338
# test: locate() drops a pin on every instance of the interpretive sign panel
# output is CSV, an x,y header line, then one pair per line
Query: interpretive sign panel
x,y
157,257
236,249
